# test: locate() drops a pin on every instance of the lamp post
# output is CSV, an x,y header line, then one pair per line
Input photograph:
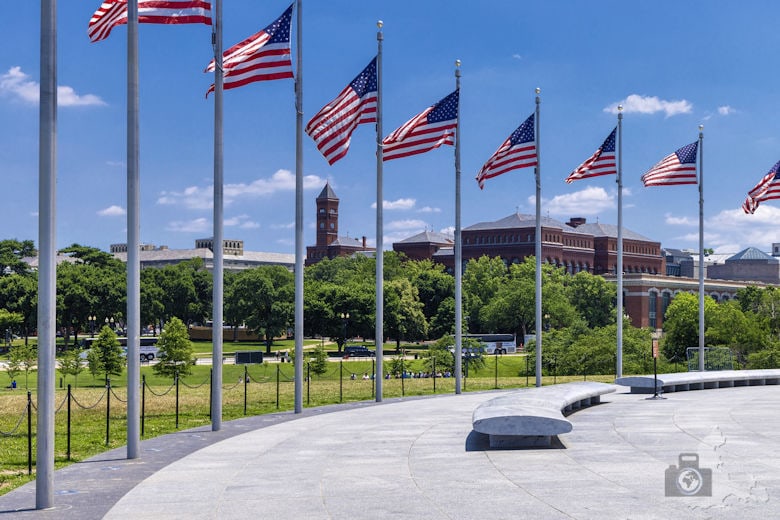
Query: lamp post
x,y
92,320
547,323
655,336
110,321
344,320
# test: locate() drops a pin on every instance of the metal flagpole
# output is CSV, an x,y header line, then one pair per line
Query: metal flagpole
x,y
217,242
619,267
133,238
47,273
299,213
701,248
458,252
380,257
538,242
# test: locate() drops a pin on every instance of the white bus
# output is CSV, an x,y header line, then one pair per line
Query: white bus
x,y
496,343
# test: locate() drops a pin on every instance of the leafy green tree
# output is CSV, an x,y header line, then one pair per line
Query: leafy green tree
x,y
433,284
681,324
593,297
175,354
742,332
70,364
23,357
439,357
11,254
443,322
19,294
482,279
9,320
766,358
265,298
105,356
318,363
404,318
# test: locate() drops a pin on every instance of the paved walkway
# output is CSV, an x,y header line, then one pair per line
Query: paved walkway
x,y
420,459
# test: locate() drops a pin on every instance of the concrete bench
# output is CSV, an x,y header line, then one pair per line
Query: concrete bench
x,y
683,381
532,416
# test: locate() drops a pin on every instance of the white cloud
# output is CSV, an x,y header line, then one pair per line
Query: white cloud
x,y
679,221
737,230
400,204
112,211
517,56
201,197
650,105
589,201
198,225
449,230
726,110
242,222
428,209
17,84
289,225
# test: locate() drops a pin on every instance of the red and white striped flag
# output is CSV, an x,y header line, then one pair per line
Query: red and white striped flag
x,y
261,57
114,12
768,188
518,151
432,128
332,127
676,168
602,162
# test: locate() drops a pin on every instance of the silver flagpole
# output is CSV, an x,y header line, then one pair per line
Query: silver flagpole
x,y
458,252
217,242
133,238
47,272
701,248
380,257
538,243
619,267
299,213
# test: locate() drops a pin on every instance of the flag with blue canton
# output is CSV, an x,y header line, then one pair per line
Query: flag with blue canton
x,y
602,162
676,168
332,127
264,56
767,189
432,128
519,151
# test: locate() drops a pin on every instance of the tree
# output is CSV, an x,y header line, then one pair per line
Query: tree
x,y
23,357
70,364
11,254
482,279
318,362
593,297
9,320
19,294
175,355
264,297
404,318
105,356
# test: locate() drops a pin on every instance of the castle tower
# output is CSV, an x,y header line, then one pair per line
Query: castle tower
x,y
327,217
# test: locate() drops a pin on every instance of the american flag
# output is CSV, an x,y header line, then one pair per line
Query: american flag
x,y
114,12
767,189
602,162
261,57
332,127
676,168
432,128
519,151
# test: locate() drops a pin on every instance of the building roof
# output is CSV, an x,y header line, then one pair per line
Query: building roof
x,y
327,193
520,220
349,242
751,253
599,229
178,255
429,237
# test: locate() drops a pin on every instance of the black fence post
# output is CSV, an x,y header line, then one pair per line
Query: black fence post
x,y
495,377
211,389
433,364
403,375
246,381
373,371
308,383
29,432
69,398
143,402
341,380
278,369
526,370
176,380
108,408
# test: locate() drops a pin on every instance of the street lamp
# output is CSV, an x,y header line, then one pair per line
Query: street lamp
x,y
344,320
92,320
110,321
547,323
655,336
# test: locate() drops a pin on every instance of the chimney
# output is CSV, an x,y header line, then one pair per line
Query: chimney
x,y
364,241
576,221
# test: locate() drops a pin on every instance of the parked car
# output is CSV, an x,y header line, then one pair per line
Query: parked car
x,y
358,351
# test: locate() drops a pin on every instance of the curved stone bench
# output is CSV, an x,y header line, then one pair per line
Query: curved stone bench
x,y
531,416
683,381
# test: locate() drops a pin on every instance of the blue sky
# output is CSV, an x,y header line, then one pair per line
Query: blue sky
x,y
674,65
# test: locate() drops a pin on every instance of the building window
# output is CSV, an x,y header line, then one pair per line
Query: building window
x,y
666,298
651,309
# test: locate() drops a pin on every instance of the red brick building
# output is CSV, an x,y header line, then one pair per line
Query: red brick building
x,y
329,243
